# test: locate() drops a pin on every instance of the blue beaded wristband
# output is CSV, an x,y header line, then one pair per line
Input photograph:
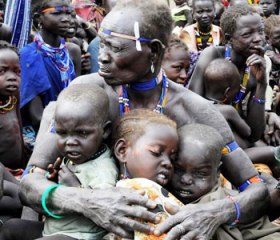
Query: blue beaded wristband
x,y
260,101
44,197
237,208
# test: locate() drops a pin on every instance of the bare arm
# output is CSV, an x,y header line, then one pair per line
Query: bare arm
x,y
255,114
109,208
75,54
196,81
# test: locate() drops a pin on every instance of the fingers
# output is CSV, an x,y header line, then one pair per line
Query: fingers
x,y
171,209
132,225
141,212
193,235
176,232
255,59
57,163
168,224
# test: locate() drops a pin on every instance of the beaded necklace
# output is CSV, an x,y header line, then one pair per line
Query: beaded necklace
x,y
8,105
59,57
198,35
241,94
124,100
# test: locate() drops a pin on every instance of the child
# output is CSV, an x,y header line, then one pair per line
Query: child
x,y
81,124
46,65
11,143
222,81
196,180
181,13
176,61
268,7
145,144
11,147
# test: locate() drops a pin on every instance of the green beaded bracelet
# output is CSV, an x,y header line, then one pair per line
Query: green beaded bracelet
x,y
44,197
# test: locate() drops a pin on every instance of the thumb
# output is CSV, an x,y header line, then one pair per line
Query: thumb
x,y
170,208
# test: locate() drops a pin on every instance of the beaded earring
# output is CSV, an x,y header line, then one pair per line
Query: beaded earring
x,y
124,175
152,67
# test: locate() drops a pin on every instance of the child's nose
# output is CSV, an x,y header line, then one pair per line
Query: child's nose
x,y
70,141
186,179
166,162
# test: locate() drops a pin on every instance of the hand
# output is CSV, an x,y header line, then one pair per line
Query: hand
x,y
53,170
67,178
273,57
272,131
193,221
115,209
257,65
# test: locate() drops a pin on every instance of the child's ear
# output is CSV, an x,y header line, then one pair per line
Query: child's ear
x,y
107,129
36,20
120,149
226,92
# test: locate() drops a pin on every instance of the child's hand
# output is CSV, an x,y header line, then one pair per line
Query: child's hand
x,y
257,64
53,170
67,178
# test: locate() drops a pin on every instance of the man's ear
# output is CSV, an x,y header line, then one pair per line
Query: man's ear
x,y
219,170
120,150
107,126
157,50
227,38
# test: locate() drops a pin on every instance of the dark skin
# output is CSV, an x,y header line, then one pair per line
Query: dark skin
x,y
203,14
114,209
5,30
11,148
54,24
247,48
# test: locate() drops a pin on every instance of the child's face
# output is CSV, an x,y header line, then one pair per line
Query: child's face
x,y
9,72
176,65
195,172
151,155
78,135
56,21
268,7
203,13
275,37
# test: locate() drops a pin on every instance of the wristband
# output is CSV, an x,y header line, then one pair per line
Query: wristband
x,y
44,197
255,179
237,208
230,148
257,100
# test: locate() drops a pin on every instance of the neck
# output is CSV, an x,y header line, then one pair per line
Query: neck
x,y
205,30
51,39
4,98
237,60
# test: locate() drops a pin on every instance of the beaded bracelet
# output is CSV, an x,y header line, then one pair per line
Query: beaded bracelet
x,y
44,197
257,100
237,208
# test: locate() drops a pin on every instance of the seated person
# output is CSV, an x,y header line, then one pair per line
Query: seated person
x,y
181,13
196,180
221,80
81,124
176,61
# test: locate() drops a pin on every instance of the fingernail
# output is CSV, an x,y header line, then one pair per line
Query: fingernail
x,y
156,232
157,219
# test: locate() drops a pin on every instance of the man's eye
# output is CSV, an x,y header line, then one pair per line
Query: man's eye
x,y
83,133
116,49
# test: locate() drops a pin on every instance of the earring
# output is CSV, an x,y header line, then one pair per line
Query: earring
x,y
124,175
40,25
152,68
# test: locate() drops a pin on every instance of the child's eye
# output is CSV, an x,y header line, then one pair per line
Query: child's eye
x,y
156,153
60,132
201,173
83,133
2,71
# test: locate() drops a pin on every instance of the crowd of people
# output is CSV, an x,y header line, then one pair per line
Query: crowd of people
x,y
135,119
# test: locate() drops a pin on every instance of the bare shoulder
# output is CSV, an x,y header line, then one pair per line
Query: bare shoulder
x,y
185,107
